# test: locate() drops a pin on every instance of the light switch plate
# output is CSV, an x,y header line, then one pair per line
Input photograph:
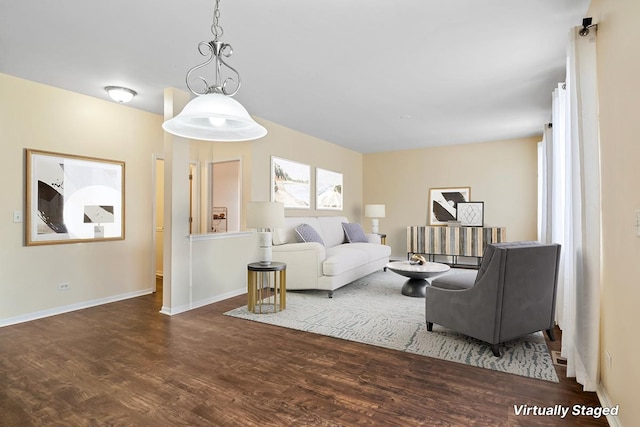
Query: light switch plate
x,y
17,216
636,223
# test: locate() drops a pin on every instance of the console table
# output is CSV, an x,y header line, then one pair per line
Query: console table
x,y
452,241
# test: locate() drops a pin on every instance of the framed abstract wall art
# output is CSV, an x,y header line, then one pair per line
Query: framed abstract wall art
x,y
71,199
470,214
328,190
290,183
443,204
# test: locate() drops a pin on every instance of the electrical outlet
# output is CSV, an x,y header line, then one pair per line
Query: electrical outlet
x,y
64,286
608,359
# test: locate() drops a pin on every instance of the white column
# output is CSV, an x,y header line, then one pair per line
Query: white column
x,y
176,290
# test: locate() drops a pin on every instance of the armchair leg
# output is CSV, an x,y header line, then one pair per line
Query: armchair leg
x,y
429,326
330,294
551,334
495,348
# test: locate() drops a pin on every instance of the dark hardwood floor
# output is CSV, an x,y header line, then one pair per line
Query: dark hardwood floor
x,y
125,364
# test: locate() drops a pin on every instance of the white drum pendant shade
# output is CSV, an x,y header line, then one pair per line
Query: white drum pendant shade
x,y
214,117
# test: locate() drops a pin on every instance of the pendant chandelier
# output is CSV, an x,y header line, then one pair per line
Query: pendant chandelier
x,y
213,115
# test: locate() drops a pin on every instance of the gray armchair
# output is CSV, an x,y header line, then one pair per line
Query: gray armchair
x,y
512,294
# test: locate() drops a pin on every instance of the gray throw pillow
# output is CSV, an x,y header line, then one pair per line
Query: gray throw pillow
x,y
354,232
306,233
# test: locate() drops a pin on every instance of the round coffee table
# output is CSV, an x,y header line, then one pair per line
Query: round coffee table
x,y
416,285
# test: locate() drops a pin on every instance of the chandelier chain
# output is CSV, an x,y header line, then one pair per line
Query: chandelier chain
x,y
226,78
216,29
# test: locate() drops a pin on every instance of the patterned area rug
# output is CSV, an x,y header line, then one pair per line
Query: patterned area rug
x,y
372,310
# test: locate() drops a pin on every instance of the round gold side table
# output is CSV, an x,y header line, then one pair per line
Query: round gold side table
x,y
265,282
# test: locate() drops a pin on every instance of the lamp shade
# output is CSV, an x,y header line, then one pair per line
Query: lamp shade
x,y
214,117
374,211
265,215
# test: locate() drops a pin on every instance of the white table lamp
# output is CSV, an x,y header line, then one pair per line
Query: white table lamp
x,y
374,212
265,216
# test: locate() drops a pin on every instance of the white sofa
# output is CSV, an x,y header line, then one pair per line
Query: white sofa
x,y
311,265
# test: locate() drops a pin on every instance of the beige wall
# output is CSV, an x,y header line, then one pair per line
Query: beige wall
x,y
42,117
619,91
502,174
67,122
288,144
292,145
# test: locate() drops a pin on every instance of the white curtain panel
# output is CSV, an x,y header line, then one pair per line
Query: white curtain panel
x,y
582,86
570,208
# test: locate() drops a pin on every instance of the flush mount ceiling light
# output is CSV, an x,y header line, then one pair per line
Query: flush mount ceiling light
x,y
213,115
120,94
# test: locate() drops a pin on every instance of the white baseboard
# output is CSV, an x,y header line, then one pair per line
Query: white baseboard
x,y
87,304
197,304
72,307
605,402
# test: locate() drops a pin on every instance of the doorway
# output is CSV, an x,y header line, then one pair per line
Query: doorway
x,y
225,196
158,214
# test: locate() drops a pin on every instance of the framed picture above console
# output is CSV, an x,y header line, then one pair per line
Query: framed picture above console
x,y
470,214
443,204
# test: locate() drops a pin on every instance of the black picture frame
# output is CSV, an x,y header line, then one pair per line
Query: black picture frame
x,y
470,214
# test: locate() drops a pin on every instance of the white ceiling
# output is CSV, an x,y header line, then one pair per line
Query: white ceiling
x,y
365,74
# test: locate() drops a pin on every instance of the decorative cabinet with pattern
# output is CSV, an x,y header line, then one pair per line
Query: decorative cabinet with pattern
x,y
452,242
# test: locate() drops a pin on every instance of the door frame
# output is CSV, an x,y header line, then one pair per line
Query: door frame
x,y
209,191
194,198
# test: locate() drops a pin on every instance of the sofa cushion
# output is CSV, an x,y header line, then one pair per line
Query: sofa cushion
x,y
306,233
343,258
374,251
332,231
354,232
